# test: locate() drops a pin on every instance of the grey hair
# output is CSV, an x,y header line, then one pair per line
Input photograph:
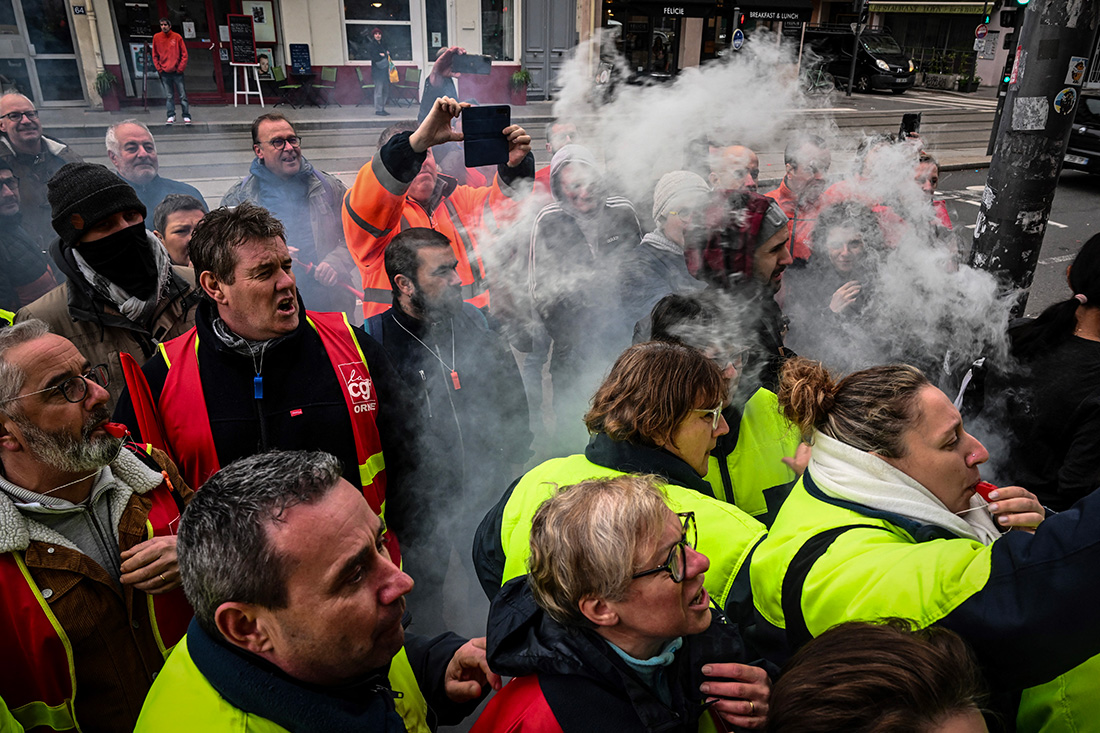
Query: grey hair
x,y
112,135
13,377
223,547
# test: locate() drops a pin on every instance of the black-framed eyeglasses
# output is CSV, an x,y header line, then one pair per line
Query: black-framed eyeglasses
x,y
676,564
281,142
75,388
715,415
30,114
11,182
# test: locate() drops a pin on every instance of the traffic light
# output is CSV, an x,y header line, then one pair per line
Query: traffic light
x,y
1022,3
986,18
1008,18
864,13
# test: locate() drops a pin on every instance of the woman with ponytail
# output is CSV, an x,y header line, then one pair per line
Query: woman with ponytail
x,y
890,520
1054,403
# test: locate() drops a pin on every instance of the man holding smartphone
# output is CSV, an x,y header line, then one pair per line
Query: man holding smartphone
x,y
401,188
441,82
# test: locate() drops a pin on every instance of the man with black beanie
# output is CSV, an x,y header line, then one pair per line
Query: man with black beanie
x,y
123,293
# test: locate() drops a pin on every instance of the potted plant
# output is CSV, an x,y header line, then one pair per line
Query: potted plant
x,y
969,83
105,83
519,83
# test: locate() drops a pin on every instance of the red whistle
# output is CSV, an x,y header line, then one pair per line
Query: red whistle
x,y
983,488
115,429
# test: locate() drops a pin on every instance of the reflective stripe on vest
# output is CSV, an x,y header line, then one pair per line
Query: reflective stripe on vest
x,y
764,438
478,287
183,411
37,675
169,612
726,534
409,700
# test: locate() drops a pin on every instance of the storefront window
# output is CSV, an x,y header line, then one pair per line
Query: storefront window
x,y
498,29
392,16
48,26
8,25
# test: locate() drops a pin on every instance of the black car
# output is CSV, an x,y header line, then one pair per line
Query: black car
x,y
1083,153
880,62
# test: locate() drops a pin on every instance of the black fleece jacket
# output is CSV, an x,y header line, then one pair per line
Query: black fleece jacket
x,y
303,407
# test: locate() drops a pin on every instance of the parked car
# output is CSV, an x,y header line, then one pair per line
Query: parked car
x,y
1083,153
880,62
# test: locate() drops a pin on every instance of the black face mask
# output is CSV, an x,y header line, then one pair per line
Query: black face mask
x,y
126,259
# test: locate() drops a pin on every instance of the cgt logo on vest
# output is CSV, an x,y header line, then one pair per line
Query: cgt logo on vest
x,y
358,384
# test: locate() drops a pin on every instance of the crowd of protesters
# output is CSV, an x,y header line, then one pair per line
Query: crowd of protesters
x,y
247,454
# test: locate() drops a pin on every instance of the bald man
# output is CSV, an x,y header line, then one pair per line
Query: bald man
x,y
34,158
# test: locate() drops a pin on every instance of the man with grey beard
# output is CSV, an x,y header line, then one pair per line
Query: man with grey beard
x,y
89,583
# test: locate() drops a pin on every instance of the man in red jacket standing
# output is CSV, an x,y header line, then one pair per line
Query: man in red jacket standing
x,y
170,59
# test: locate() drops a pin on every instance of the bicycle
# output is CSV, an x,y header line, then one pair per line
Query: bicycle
x,y
818,81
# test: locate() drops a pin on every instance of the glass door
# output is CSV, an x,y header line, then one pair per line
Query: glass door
x,y
40,59
207,75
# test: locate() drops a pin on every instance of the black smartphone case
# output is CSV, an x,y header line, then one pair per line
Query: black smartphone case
x,y
482,128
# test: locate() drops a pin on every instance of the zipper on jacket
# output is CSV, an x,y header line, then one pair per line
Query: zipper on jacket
x,y
427,393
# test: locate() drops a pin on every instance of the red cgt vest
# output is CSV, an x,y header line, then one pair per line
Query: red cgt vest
x,y
38,673
183,423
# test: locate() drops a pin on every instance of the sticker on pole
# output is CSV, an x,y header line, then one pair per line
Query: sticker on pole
x,y
1076,72
738,39
1065,101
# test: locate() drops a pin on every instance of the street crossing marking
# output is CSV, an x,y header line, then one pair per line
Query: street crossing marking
x,y
933,99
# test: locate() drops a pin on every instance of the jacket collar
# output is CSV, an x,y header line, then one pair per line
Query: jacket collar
x,y
633,458
523,640
85,304
918,531
204,322
17,530
255,686
49,146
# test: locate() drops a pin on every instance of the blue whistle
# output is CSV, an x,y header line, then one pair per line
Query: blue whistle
x,y
258,387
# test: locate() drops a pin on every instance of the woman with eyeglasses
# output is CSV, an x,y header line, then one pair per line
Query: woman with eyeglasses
x,y
658,412
891,520
612,628
657,267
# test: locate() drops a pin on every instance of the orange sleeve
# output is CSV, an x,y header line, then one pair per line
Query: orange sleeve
x,y
371,215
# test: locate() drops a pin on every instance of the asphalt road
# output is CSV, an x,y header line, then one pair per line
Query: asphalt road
x,y
1071,224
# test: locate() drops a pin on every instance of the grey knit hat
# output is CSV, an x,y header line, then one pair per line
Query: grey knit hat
x,y
83,194
675,187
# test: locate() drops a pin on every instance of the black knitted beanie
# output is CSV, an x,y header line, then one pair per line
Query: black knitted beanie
x,y
83,194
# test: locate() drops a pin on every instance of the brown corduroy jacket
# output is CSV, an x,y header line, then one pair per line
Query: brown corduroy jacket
x,y
115,652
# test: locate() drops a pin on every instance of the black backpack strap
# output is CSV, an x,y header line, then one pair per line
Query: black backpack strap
x,y
373,327
795,579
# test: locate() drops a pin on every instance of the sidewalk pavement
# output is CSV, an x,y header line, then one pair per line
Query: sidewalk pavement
x,y
883,112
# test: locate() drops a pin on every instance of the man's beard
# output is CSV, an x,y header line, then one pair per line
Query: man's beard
x,y
62,452
438,310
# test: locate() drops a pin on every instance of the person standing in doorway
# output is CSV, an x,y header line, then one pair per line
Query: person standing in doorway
x,y
378,51
170,59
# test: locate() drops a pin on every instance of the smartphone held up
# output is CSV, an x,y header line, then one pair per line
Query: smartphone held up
x,y
483,134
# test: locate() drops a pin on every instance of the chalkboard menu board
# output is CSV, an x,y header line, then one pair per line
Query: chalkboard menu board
x,y
137,20
300,64
242,39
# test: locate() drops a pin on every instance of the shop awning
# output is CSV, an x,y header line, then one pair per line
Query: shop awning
x,y
789,10
931,6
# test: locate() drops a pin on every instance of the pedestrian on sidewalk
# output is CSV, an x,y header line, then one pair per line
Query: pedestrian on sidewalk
x,y
170,59
378,51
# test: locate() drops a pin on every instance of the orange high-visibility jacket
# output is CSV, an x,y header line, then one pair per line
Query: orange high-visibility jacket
x,y
376,208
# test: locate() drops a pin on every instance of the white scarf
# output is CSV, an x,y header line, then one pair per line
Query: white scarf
x,y
847,473
132,307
